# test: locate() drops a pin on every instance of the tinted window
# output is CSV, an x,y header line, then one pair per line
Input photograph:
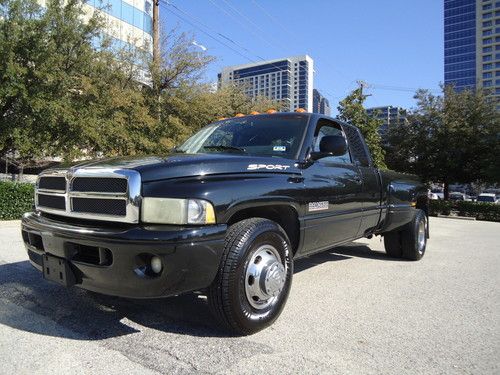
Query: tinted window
x,y
263,135
357,146
330,128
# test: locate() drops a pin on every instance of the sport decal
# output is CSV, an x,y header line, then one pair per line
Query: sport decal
x,y
279,167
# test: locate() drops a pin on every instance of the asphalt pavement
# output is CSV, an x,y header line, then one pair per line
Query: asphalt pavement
x,y
352,310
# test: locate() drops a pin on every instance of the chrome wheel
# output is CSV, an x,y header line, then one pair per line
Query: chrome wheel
x,y
265,277
421,236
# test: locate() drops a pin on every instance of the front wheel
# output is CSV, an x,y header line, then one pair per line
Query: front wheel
x,y
254,278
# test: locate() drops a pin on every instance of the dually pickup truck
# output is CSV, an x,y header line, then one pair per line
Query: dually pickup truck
x,y
225,214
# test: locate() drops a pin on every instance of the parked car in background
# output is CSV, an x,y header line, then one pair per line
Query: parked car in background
x,y
456,196
436,194
487,198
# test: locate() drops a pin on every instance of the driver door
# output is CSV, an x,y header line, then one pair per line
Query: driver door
x,y
332,189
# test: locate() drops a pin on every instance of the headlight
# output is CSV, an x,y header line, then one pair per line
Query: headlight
x,y
177,211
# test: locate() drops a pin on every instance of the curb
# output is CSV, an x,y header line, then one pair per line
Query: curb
x,y
9,223
457,217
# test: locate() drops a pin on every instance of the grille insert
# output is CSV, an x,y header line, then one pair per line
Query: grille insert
x,y
99,184
51,201
52,183
102,206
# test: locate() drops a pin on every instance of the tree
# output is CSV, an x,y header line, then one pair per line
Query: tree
x,y
351,110
67,91
59,96
449,138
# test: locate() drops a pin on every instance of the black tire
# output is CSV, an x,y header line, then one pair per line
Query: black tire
x,y
414,247
404,242
392,244
227,296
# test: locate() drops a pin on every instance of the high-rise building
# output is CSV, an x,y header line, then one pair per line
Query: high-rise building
x,y
390,116
320,103
129,24
288,80
472,44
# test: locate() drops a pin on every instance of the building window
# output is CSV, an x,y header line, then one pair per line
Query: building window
x,y
488,83
487,66
487,75
487,49
497,82
487,23
487,6
487,41
487,15
487,32
487,58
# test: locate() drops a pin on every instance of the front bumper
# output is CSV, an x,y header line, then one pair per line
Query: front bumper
x,y
108,260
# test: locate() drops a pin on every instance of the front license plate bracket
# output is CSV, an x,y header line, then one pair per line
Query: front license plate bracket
x,y
58,270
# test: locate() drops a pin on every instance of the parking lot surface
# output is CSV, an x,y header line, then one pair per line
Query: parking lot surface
x,y
351,310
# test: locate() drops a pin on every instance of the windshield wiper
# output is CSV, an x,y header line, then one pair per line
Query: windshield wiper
x,y
224,147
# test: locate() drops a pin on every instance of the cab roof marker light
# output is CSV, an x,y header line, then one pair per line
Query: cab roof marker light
x,y
255,113
271,111
239,115
300,110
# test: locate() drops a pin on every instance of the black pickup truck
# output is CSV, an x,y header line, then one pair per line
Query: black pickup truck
x,y
225,214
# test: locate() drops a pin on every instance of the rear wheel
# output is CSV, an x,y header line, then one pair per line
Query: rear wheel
x,y
410,241
254,278
392,244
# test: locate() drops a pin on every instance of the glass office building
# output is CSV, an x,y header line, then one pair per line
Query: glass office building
x,y
472,44
288,80
460,43
320,103
390,115
129,23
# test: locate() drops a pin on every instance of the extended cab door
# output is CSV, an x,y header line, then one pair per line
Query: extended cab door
x,y
371,192
332,188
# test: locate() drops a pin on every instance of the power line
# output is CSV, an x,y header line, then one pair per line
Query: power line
x,y
200,29
244,17
239,21
274,19
168,3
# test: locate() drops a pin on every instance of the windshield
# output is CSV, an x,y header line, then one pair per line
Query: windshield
x,y
261,135
485,198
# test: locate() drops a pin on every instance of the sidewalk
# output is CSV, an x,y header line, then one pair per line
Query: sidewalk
x,y
9,223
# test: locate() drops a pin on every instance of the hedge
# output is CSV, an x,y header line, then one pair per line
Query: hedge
x,y
15,199
478,210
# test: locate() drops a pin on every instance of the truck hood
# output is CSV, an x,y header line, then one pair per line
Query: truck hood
x,y
154,168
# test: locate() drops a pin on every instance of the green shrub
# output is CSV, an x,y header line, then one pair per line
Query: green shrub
x,y
15,199
478,210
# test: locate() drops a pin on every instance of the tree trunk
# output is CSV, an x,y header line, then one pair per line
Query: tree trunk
x,y
446,191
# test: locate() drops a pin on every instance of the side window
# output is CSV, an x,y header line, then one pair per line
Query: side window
x,y
330,128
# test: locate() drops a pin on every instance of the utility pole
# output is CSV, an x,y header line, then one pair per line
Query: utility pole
x,y
362,85
156,34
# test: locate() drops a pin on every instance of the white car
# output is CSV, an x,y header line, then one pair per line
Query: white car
x,y
487,198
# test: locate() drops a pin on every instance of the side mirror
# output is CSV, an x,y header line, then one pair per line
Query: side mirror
x,y
330,145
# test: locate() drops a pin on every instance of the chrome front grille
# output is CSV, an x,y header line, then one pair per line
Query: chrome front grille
x,y
90,193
